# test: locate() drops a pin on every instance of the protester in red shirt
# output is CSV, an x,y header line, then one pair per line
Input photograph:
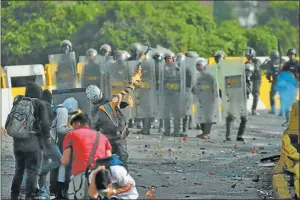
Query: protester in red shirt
x,y
79,142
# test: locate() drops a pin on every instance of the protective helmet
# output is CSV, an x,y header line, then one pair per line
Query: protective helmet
x,y
66,42
135,47
200,62
169,54
180,57
127,55
291,51
91,52
66,46
93,93
105,49
221,54
250,52
158,56
274,54
192,54
121,55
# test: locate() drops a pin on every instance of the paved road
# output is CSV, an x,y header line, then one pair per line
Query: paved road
x,y
195,168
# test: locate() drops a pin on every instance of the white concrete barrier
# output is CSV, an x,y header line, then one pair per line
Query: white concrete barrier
x,y
6,104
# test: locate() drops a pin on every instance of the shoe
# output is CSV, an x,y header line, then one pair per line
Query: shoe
x,y
240,138
254,113
176,134
228,139
183,134
203,136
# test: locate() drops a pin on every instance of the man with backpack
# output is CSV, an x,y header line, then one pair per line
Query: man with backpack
x,y
28,123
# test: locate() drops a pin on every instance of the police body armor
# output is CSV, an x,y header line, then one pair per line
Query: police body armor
x,y
172,91
257,69
206,98
233,86
144,98
65,76
293,67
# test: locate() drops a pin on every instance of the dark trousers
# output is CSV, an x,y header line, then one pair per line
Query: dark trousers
x,y
229,123
206,128
146,125
272,94
30,161
255,93
119,147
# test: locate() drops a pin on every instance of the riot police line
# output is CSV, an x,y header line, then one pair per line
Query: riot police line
x,y
180,88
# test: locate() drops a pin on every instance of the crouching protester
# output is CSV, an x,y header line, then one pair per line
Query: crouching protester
x,y
85,146
28,123
110,180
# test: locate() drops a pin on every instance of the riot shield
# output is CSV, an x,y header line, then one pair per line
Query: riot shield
x,y
233,86
84,104
190,64
172,90
118,78
93,73
206,98
144,97
65,75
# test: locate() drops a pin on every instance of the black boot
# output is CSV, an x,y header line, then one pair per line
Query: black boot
x,y
242,129
229,122
184,123
190,122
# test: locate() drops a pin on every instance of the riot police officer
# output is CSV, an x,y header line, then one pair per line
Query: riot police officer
x,y
105,50
256,78
172,86
91,71
249,69
273,67
292,65
66,46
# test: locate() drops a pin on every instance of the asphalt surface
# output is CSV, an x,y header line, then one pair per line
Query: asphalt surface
x,y
194,168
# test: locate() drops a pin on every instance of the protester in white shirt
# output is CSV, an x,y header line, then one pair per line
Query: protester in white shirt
x,y
112,182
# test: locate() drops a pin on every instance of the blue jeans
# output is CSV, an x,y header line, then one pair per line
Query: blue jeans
x,y
51,151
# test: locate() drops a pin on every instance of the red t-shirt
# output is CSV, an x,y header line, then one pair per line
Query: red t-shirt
x,y
81,141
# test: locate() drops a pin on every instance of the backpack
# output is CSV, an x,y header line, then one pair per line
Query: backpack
x,y
19,123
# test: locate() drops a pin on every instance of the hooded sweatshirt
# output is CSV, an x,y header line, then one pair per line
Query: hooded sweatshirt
x,y
60,123
41,124
47,98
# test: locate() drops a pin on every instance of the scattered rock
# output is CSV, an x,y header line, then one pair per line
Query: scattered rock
x,y
233,186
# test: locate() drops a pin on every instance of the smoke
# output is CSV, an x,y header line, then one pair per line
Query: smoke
x,y
246,12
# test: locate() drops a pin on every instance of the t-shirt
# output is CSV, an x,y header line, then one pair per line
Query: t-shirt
x,y
119,178
81,141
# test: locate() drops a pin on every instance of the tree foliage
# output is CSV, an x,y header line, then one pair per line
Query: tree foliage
x,y
33,30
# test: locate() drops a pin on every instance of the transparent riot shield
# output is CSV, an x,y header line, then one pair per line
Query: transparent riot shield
x,y
93,73
233,86
118,78
190,64
64,75
144,97
59,96
206,98
172,90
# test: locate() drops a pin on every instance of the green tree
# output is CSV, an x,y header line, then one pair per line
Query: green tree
x,y
262,40
222,11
